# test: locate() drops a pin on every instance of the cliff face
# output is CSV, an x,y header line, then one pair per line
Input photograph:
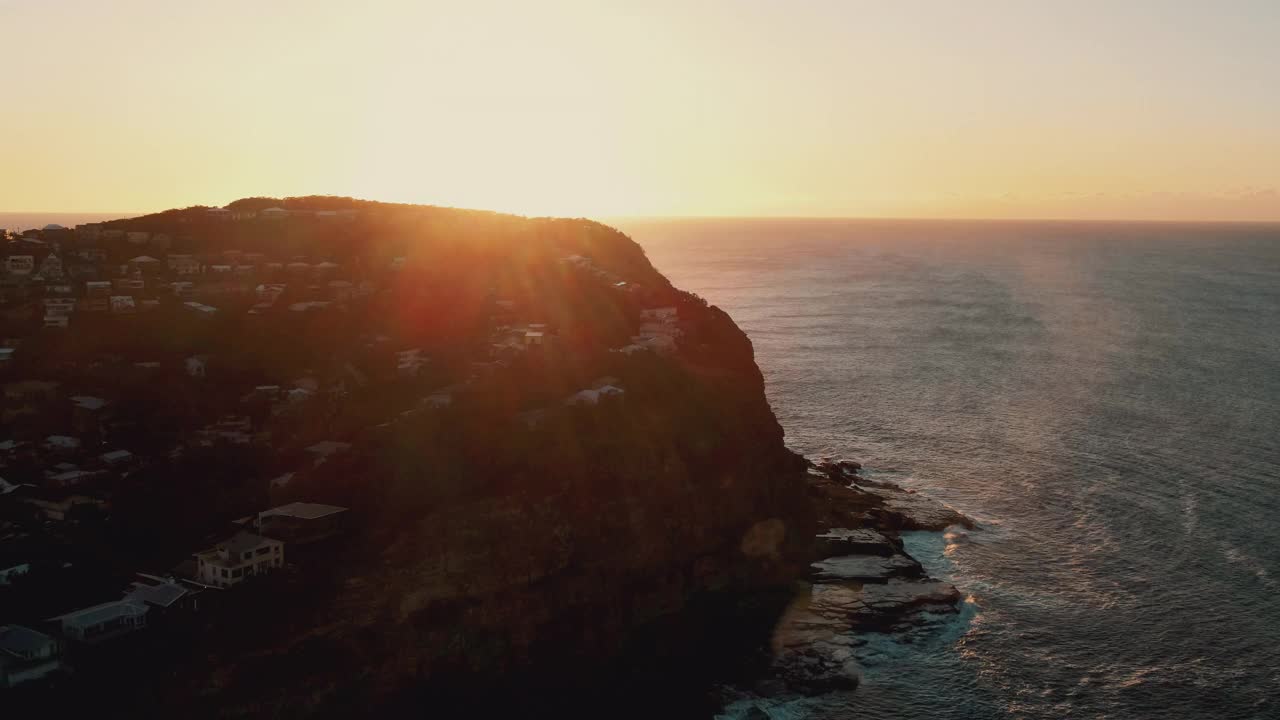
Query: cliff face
x,y
647,552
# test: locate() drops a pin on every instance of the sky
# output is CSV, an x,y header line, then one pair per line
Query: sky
x,y
1164,110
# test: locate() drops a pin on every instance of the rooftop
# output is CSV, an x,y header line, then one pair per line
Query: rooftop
x,y
105,612
302,511
163,595
88,402
21,640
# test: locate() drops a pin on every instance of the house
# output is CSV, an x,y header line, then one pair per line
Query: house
x,y
58,306
58,506
322,450
11,573
50,268
26,655
242,556
116,457
87,413
103,622
89,231
594,395
27,396
218,213
20,264
184,264
270,292
340,290
197,366
57,321
273,213
663,314
301,522
409,362
308,306
199,308
68,476
137,237
163,594
123,305
97,289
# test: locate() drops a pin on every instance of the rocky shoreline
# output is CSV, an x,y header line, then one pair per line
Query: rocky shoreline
x,y
861,581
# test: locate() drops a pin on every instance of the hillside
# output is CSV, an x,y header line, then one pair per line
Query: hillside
x,y
557,465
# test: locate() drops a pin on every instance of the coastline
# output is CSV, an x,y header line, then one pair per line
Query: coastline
x,y
862,583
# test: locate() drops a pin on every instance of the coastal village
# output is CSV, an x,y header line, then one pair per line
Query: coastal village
x,y
149,473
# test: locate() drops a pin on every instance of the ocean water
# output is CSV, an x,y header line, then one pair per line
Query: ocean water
x,y
1103,398
19,221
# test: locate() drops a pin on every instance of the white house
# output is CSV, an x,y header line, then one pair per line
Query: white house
x,y
184,264
242,556
103,622
137,237
123,305
59,306
273,213
20,264
26,655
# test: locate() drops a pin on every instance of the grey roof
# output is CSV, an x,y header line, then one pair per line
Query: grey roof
x,y
88,402
328,447
243,541
98,614
164,595
303,511
21,640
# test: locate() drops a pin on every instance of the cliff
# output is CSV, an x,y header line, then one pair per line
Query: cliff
x,y
505,543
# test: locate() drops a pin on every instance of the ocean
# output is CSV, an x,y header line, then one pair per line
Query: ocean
x,y
1104,399
19,221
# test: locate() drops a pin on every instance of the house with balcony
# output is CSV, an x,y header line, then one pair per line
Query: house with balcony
x,y
238,558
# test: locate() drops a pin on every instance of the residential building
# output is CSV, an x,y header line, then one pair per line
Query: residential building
x,y
104,622
123,305
56,306
302,522
20,264
164,594
322,450
26,655
184,264
242,556
11,573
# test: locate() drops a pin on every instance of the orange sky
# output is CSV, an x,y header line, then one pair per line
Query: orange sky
x,y
1138,110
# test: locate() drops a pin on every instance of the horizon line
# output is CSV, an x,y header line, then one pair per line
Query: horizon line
x,y
880,218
